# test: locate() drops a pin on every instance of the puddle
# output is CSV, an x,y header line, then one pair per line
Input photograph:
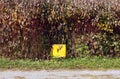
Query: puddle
x,y
19,77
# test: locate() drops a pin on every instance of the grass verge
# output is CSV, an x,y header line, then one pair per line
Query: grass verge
x,y
70,63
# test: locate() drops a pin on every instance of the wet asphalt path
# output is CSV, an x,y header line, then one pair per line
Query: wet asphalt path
x,y
60,74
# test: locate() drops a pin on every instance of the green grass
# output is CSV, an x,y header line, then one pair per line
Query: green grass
x,y
70,63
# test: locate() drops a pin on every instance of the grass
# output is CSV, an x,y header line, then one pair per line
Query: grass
x,y
70,63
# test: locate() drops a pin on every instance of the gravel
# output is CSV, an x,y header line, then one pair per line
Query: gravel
x,y
60,74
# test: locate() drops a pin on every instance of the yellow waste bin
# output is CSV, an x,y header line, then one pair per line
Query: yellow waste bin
x,y
58,51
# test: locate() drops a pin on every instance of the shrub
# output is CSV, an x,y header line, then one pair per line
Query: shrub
x,y
29,28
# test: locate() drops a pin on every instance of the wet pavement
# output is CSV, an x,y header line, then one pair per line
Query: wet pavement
x,y
60,74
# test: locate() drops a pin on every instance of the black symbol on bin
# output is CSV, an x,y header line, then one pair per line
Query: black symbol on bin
x,y
60,47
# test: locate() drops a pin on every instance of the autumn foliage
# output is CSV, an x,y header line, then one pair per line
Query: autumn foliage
x,y
28,28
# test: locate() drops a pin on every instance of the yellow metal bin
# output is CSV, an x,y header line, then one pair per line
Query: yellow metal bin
x,y
58,51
